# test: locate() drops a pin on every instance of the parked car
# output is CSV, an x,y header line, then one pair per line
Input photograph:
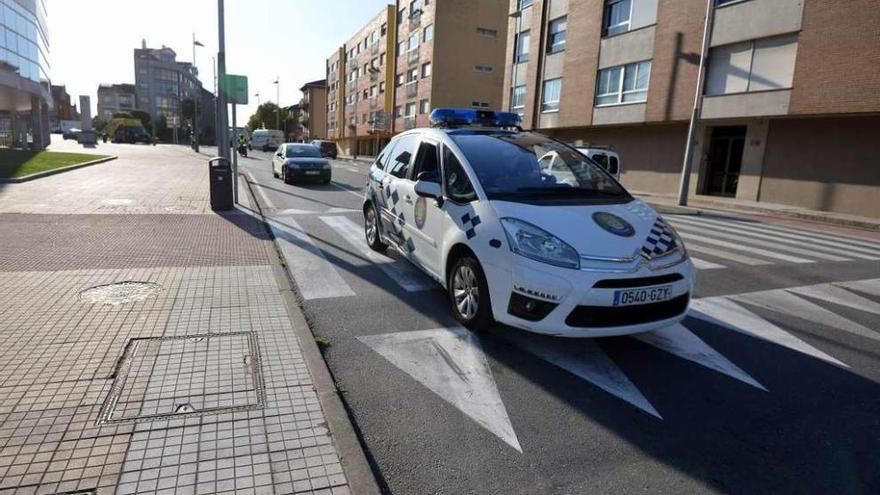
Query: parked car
x,y
72,133
328,148
605,157
563,251
132,135
299,161
266,139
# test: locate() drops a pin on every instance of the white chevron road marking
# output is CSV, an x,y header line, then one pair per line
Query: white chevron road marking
x,y
837,295
451,363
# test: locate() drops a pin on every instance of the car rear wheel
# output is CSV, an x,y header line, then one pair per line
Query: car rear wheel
x,y
371,229
469,294
284,176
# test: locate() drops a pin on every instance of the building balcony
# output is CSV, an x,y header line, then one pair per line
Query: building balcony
x,y
374,102
412,89
412,57
409,122
374,48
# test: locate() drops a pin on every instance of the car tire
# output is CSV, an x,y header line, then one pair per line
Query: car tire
x,y
275,174
371,229
469,294
284,176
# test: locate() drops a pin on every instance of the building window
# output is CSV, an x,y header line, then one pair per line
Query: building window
x,y
550,95
617,16
381,88
410,110
757,65
521,47
489,33
381,59
398,111
483,68
556,35
400,80
623,84
424,107
426,69
384,29
401,47
401,15
413,42
518,97
479,104
525,3
412,75
428,33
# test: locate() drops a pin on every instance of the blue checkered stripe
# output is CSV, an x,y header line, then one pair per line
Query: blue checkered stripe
x,y
660,240
392,198
469,224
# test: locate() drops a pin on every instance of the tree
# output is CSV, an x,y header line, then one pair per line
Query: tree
x,y
143,116
188,109
265,117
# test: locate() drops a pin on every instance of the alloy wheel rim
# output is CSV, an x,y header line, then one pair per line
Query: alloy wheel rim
x,y
466,292
371,225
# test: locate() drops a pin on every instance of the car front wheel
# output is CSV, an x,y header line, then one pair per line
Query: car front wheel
x,y
371,229
469,294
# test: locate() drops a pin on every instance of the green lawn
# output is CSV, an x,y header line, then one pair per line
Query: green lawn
x,y
18,163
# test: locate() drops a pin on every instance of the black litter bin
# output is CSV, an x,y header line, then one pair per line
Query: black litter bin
x,y
220,174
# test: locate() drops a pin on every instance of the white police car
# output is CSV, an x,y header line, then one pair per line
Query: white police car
x,y
561,251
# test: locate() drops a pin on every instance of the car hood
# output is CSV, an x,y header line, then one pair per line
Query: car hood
x,y
305,161
577,226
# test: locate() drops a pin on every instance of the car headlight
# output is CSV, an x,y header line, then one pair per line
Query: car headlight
x,y
532,242
678,240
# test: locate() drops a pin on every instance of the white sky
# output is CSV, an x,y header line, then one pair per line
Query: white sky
x,y
92,41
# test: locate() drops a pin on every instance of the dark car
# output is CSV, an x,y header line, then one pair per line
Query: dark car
x,y
328,148
298,161
70,134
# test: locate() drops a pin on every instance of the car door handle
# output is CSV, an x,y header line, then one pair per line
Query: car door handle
x,y
408,200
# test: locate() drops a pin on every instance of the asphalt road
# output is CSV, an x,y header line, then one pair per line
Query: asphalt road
x,y
771,386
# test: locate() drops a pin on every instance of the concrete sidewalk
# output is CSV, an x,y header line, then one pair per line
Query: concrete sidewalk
x,y
148,345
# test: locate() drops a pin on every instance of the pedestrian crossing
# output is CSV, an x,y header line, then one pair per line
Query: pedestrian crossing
x,y
726,242
714,244
450,362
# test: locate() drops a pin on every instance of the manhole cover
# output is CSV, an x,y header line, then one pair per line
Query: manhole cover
x,y
164,377
120,292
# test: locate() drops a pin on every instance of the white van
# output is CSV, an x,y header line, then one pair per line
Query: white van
x,y
604,156
266,139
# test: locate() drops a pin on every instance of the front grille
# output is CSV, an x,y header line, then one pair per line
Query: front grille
x,y
618,316
624,283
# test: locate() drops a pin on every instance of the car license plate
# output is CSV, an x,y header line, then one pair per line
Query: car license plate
x,y
647,295
313,172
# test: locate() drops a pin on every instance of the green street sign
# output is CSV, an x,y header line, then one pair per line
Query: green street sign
x,y
237,89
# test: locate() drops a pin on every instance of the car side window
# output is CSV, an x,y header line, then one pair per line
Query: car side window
x,y
402,155
458,187
384,156
427,165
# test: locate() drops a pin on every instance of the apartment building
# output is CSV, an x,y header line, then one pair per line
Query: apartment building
x,y
313,110
404,62
791,100
161,83
115,98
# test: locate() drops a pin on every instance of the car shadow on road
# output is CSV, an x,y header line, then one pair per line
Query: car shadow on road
x,y
815,430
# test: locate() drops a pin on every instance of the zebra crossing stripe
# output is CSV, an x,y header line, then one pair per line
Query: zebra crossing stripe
x,y
741,247
726,313
315,277
751,240
858,241
834,246
727,255
833,294
871,287
681,342
784,302
402,272
701,264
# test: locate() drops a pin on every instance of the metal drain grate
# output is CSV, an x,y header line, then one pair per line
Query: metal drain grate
x,y
120,292
174,377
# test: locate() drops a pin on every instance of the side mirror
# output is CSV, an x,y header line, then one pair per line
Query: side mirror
x,y
428,189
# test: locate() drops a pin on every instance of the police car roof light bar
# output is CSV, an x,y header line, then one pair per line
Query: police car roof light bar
x,y
461,117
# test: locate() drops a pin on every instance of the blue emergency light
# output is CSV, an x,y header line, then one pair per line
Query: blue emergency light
x,y
456,117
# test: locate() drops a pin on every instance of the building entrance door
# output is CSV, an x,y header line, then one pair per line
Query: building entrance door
x,y
725,160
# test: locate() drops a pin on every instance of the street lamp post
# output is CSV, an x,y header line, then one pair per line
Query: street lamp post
x,y
223,145
195,126
278,103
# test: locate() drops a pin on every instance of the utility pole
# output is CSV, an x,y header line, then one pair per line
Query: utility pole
x,y
222,119
278,103
698,107
195,126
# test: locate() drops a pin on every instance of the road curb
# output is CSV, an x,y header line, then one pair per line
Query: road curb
x,y
46,173
358,472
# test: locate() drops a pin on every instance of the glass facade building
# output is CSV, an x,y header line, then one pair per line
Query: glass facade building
x,y
24,41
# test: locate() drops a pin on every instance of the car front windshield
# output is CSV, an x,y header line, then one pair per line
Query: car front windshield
x,y
303,151
528,166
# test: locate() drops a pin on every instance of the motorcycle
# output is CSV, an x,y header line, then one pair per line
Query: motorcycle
x,y
242,150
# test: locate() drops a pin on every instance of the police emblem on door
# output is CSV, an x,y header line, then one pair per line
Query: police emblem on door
x,y
421,211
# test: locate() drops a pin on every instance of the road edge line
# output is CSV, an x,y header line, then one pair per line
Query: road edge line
x,y
352,456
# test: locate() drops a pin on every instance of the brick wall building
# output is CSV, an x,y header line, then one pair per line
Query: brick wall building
x,y
791,97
